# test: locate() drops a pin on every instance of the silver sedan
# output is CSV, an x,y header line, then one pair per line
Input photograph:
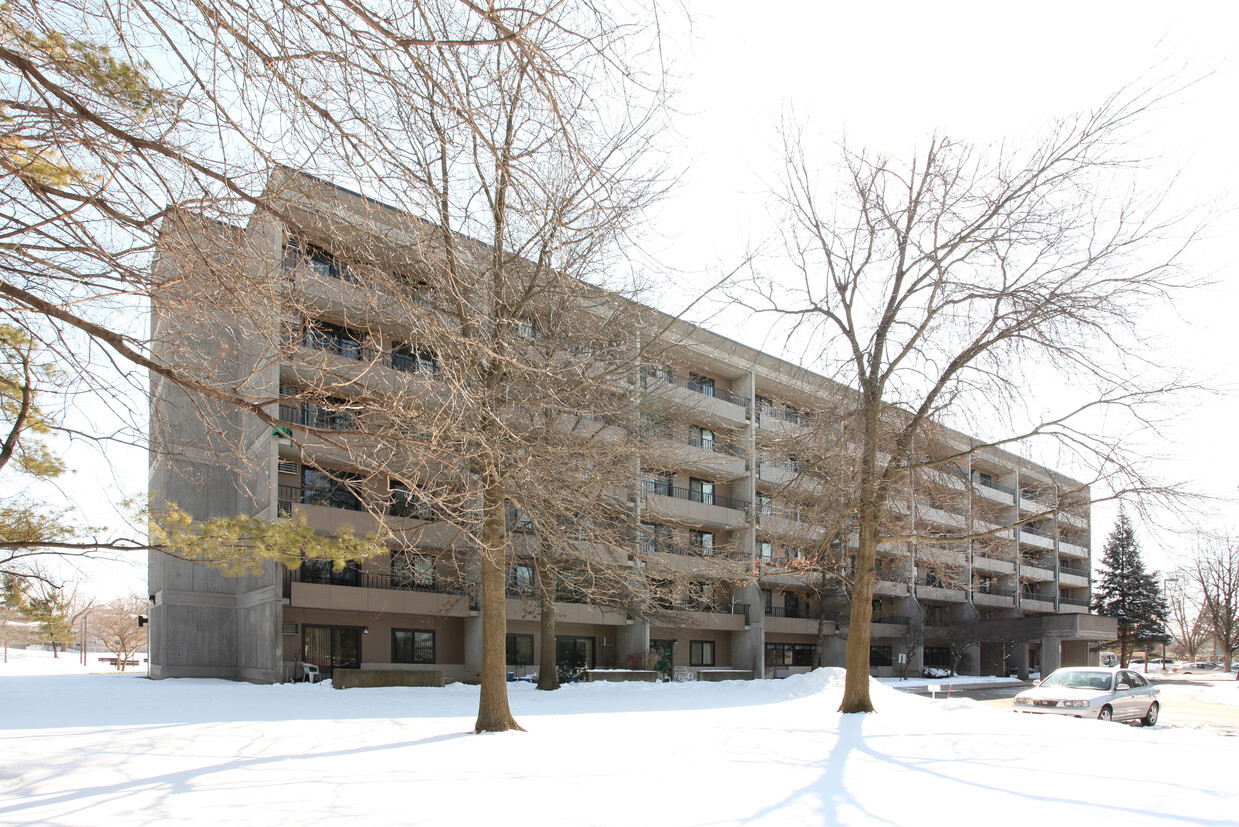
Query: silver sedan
x,y
1093,692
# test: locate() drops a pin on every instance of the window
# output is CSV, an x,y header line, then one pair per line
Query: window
x,y
765,405
333,491
404,502
520,580
793,554
767,597
412,646
412,571
520,650
574,652
525,329
701,491
332,415
655,372
765,505
765,551
317,260
406,358
658,483
985,584
655,537
703,540
331,647
878,611
789,654
936,657
701,384
701,437
701,653
792,606
935,616
880,656
518,521
332,338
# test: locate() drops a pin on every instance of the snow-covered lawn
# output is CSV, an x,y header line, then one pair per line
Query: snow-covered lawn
x,y
94,749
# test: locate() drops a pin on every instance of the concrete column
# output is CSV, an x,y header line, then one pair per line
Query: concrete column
x,y
1020,656
473,646
632,639
748,646
1051,655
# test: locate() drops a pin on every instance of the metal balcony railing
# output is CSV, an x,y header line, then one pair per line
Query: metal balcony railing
x,y
999,591
355,578
309,415
650,376
896,620
1039,532
715,445
797,612
1073,601
1072,570
997,486
337,498
706,498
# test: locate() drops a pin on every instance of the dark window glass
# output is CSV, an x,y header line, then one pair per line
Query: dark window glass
x,y
412,571
404,502
938,657
412,646
317,488
701,653
520,650
879,656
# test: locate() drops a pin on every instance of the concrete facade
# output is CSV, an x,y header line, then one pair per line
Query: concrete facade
x,y
1033,582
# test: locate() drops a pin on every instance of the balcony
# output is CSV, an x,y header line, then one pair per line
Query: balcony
x,y
994,596
1072,548
710,405
1036,537
981,563
993,491
934,589
1037,603
703,497
318,587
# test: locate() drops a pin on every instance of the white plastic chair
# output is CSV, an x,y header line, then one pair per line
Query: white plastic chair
x,y
309,672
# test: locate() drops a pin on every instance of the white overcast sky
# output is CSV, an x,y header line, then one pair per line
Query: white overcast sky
x,y
889,74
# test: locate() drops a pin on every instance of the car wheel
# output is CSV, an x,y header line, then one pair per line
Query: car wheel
x,y
1151,718
1106,714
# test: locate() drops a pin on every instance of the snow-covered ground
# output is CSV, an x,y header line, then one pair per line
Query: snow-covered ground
x,y
91,749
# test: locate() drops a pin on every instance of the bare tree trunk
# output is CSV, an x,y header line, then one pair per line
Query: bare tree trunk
x,y
494,715
548,677
856,685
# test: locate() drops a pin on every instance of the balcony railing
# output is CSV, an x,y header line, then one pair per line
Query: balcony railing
x,y
997,486
896,620
366,580
999,591
799,612
340,498
1072,570
1073,601
649,376
716,446
309,415
1039,532
706,498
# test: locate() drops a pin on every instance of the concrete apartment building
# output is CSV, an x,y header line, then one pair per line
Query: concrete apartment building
x,y
718,487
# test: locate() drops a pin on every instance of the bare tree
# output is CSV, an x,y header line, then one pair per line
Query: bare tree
x,y
1188,623
931,287
522,127
116,625
1214,572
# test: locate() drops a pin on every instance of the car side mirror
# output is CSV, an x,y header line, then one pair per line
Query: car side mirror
x,y
1123,686
1037,682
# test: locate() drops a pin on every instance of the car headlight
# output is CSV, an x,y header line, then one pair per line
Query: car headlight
x,y
1075,704
1022,701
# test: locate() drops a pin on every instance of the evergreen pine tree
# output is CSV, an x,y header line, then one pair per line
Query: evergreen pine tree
x,y
1128,593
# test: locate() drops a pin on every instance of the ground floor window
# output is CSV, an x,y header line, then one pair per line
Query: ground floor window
x,y
938,657
701,653
879,656
790,654
412,646
520,650
331,647
575,652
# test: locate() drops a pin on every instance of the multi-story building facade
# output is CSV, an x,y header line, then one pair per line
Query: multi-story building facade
x,y
720,503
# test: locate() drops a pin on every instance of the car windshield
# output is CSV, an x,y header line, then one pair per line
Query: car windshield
x,y
1079,680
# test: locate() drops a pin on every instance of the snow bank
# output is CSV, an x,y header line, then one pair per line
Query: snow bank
x,y
96,749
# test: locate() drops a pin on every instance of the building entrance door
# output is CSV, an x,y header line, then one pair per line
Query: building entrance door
x,y
329,647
